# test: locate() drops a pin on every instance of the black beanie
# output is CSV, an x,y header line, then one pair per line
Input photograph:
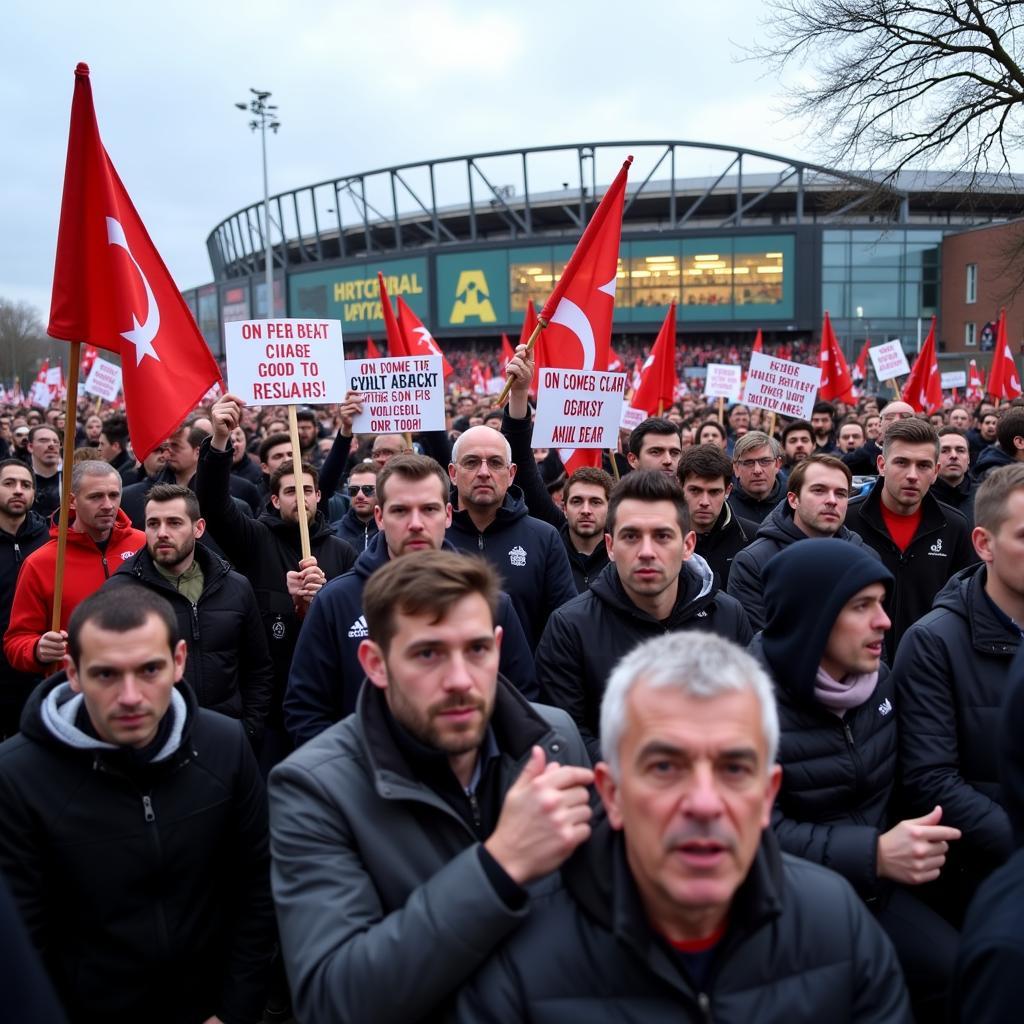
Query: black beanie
x,y
805,588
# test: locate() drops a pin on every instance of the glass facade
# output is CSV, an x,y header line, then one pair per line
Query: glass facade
x,y
878,284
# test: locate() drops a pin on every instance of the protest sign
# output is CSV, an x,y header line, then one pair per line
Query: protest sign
x,y
278,362
631,418
104,380
781,386
578,408
889,360
954,379
723,381
401,395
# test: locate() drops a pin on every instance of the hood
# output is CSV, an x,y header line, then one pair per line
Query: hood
x,y
991,458
805,588
964,595
697,588
780,527
33,526
773,497
318,528
50,713
513,508
122,524
376,554
1011,764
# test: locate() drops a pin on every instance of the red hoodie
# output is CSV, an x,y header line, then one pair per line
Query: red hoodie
x,y
85,570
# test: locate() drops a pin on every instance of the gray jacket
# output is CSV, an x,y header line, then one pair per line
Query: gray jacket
x,y
383,904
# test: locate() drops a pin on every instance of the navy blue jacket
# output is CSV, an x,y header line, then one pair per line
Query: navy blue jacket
x,y
529,556
326,675
352,529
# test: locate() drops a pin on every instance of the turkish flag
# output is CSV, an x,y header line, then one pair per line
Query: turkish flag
x,y
508,353
372,352
579,312
923,389
975,383
758,345
111,289
836,383
614,361
396,340
860,368
89,355
658,380
1003,379
39,393
418,340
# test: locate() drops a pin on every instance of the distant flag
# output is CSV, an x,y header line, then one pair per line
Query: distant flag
x,y
89,355
508,353
836,383
39,393
923,389
615,363
396,340
758,345
975,383
477,379
860,368
658,380
418,340
1003,378
372,352
111,289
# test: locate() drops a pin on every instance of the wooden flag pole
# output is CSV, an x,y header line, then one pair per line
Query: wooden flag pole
x,y
721,410
300,484
895,388
771,425
615,465
503,396
661,407
70,425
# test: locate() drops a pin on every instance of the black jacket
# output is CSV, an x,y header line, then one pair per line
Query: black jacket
x,y
960,497
585,568
989,986
264,550
727,537
15,686
863,461
776,533
325,676
951,674
586,637
940,548
351,529
133,497
144,885
992,457
755,510
528,555
799,947
228,664
249,470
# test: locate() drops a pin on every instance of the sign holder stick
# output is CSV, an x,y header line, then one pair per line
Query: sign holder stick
x,y
300,487
615,465
771,425
895,387
721,410
503,396
70,418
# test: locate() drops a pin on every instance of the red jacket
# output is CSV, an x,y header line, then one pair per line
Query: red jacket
x,y
85,569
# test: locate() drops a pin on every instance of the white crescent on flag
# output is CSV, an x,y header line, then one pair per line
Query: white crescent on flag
x,y
141,335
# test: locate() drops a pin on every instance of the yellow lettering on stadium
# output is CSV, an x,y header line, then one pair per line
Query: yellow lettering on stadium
x,y
472,299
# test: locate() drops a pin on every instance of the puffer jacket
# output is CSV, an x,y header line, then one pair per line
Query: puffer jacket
x,y
528,555
326,675
586,637
351,529
228,664
724,541
777,532
992,457
799,947
951,673
755,510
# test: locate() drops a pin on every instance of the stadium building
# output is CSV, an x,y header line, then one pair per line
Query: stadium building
x,y
740,239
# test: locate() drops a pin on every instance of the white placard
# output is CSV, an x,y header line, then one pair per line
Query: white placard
x,y
781,386
285,362
578,408
494,385
723,381
39,394
400,395
954,379
104,380
631,418
889,360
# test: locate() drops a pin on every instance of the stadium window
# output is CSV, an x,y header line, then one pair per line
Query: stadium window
x,y
970,335
972,283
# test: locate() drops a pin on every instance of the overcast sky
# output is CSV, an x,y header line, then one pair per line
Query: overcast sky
x,y
359,86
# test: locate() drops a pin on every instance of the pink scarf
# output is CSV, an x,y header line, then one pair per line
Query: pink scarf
x,y
840,696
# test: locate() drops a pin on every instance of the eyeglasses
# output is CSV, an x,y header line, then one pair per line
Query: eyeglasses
x,y
764,463
367,490
386,453
472,463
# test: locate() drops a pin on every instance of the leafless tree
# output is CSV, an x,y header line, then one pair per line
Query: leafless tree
x,y
896,84
23,342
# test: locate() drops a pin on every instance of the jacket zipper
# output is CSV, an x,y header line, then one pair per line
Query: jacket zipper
x,y
17,553
474,806
704,1002
480,541
858,765
106,568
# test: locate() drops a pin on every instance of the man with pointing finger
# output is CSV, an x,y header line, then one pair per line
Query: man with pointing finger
x,y
405,835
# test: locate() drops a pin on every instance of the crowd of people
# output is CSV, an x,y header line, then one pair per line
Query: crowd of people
x,y
723,726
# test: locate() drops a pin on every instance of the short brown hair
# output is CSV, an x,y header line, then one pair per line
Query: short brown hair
x,y
588,475
705,461
171,492
367,467
751,441
288,469
1010,425
648,485
412,468
990,502
432,582
910,431
796,477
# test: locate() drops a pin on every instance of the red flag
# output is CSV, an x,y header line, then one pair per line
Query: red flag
x,y
508,353
579,311
89,355
418,340
372,352
614,361
836,383
1003,380
923,389
39,393
658,380
975,383
396,340
539,347
758,345
860,368
112,290
477,380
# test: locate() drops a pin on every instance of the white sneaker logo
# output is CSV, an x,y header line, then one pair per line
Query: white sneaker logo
x,y
885,707
358,628
517,556
936,549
